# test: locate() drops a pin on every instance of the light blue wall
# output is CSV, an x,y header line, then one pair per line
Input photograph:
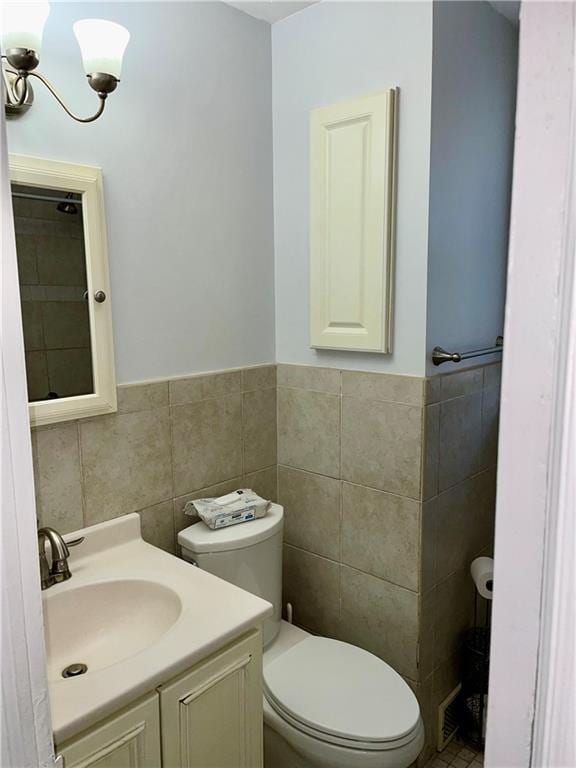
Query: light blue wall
x,y
329,52
473,103
186,149
185,145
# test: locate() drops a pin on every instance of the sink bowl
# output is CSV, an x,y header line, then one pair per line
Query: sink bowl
x,y
103,623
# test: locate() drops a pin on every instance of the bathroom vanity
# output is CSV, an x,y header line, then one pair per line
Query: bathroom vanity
x,y
173,659
209,715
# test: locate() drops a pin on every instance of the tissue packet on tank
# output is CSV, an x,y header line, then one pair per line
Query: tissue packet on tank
x,y
240,506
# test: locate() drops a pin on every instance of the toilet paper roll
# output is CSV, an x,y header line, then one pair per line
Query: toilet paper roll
x,y
482,572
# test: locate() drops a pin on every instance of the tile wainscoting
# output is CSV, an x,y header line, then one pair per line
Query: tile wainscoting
x,y
169,442
388,484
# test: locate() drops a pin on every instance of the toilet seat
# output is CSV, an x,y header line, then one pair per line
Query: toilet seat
x,y
343,695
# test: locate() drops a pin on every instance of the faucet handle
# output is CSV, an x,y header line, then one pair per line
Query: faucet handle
x,y
75,542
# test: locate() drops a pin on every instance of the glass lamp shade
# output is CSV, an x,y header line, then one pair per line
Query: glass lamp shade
x,y
102,44
22,24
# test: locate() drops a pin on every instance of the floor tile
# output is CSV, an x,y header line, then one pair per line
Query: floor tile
x,y
457,754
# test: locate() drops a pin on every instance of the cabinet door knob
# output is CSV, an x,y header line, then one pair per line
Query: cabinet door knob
x,y
100,297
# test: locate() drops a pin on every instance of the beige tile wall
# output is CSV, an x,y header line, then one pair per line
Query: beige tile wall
x,y
350,476
458,521
388,488
170,441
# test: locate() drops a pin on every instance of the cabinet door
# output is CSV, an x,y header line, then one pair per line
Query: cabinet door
x,y
352,196
212,716
128,740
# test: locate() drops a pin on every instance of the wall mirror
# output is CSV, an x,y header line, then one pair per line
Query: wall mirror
x,y
64,288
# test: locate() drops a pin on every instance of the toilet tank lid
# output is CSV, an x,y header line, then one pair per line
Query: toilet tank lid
x,y
199,539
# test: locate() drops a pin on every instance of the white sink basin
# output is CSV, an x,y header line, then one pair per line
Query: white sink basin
x,y
137,617
104,623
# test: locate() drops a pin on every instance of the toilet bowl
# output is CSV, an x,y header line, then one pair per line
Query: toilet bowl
x,y
327,704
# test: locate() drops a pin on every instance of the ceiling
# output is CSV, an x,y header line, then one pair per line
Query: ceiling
x,y
508,8
272,10
275,10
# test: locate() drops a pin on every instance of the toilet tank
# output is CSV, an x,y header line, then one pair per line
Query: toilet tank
x,y
248,555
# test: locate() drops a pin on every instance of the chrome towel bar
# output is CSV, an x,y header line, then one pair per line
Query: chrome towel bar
x,y
440,355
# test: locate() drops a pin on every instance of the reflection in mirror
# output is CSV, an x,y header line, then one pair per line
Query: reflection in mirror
x,y
53,290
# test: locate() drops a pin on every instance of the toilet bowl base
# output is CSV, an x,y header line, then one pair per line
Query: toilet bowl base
x,y
279,754
285,747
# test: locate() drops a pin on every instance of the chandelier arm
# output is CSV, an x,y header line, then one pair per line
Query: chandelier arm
x,y
95,116
24,93
19,100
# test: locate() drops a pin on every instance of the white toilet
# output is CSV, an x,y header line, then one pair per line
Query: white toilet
x,y
327,704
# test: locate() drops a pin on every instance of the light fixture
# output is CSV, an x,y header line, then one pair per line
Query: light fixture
x,y
102,45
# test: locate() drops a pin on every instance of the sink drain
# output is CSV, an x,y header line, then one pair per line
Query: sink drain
x,y
73,670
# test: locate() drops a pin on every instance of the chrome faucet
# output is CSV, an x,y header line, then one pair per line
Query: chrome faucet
x,y
58,570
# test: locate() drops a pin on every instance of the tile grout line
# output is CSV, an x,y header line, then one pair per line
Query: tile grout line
x,y
351,567
391,493
242,428
172,469
81,468
423,446
172,472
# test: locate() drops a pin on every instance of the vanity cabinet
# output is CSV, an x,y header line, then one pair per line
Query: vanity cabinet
x,y
208,717
212,717
127,740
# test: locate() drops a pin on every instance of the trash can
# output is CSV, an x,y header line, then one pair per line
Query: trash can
x,y
474,694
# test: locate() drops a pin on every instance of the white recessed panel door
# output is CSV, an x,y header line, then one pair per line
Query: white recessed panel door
x,y
352,191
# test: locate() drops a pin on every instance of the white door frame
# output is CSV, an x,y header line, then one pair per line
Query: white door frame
x,y
531,698
26,730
